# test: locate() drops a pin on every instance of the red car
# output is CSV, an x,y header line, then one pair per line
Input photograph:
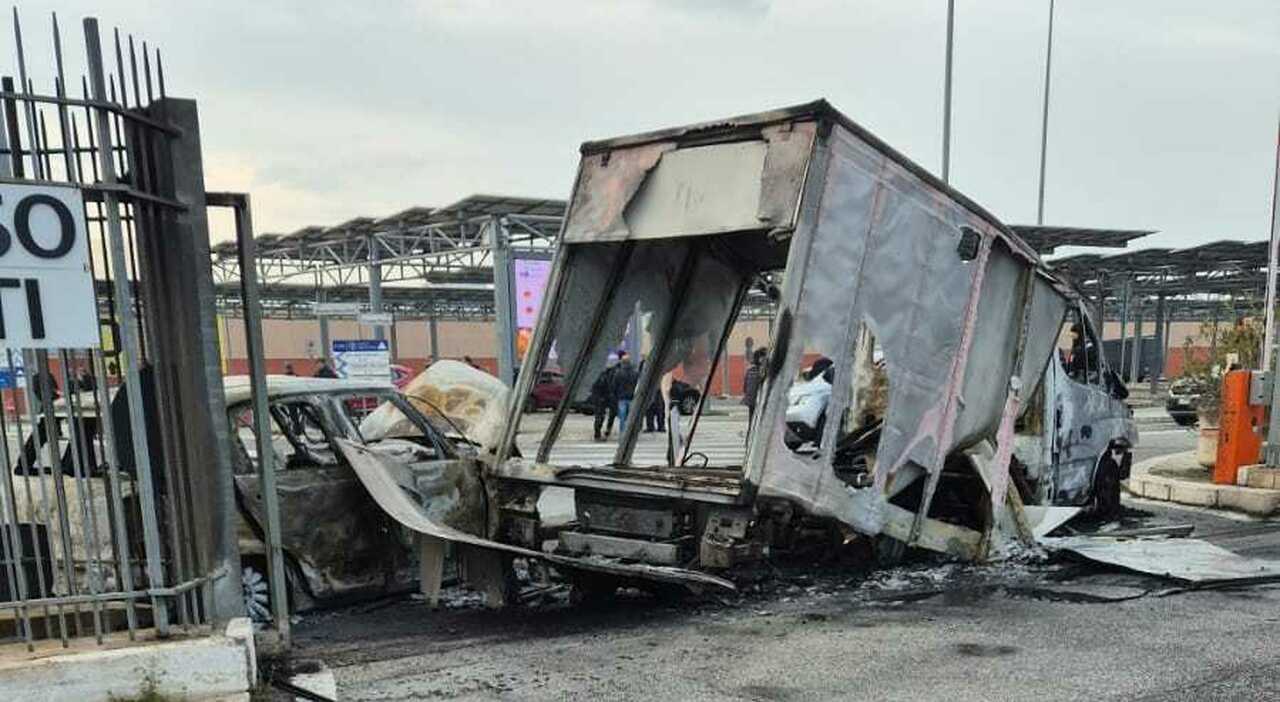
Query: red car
x,y
547,391
401,375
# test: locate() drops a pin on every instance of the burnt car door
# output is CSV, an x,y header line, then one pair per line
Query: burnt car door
x,y
1089,417
336,539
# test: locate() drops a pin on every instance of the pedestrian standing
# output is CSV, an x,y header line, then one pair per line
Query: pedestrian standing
x,y
624,387
751,382
603,402
86,381
655,414
324,370
39,435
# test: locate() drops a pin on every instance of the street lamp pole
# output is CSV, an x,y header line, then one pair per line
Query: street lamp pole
x,y
1044,122
1273,258
1272,453
946,95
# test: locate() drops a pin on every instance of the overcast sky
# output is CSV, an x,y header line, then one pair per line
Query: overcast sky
x,y
1163,112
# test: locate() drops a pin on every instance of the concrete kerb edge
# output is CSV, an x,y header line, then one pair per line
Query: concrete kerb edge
x,y
215,667
1254,501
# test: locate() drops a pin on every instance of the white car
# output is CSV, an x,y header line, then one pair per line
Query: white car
x,y
807,410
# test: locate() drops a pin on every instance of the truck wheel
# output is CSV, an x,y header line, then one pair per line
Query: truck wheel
x,y
1106,490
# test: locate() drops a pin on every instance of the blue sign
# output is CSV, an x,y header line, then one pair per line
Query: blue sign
x,y
361,345
10,379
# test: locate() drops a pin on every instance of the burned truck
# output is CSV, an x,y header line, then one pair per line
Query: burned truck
x,y
935,324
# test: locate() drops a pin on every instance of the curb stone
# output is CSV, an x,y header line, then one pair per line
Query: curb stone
x,y
1259,502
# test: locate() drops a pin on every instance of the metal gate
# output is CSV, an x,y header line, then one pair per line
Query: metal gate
x,y
116,506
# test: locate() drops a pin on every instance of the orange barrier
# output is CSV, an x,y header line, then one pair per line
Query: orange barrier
x,y
1239,441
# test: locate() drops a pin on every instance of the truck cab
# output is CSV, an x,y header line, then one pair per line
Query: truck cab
x,y
1075,442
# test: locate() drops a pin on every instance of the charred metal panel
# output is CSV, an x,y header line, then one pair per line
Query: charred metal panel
x,y
882,249
1048,307
606,183
700,190
401,506
333,531
993,351
604,512
615,547
659,189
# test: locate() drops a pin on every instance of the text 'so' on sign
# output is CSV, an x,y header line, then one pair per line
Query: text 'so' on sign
x,y
46,287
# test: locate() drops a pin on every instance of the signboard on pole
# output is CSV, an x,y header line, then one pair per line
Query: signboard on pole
x,y
336,309
359,359
530,276
374,319
11,377
47,299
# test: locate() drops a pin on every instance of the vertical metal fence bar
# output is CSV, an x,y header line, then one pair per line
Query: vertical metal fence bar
x,y
48,389
124,95
12,133
116,499
128,334
90,473
62,108
87,512
261,420
13,551
36,468
46,588
145,225
22,78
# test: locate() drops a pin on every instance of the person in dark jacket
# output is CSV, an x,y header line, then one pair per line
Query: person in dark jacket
x,y
624,387
751,382
324,370
653,414
602,401
39,435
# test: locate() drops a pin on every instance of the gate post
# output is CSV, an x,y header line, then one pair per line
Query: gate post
x,y
185,297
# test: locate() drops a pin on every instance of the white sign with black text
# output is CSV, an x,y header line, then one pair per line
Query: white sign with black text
x,y
46,287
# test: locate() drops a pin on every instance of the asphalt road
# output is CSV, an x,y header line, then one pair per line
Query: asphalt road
x,y
1032,630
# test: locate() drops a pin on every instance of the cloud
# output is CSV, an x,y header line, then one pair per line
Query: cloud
x,y
1163,111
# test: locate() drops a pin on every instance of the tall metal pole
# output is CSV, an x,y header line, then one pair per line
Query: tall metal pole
x,y
247,253
1044,120
375,284
503,300
946,95
1273,259
1135,360
1157,368
1273,423
1124,321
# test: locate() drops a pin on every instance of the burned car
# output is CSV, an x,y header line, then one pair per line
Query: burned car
x,y
338,544
947,411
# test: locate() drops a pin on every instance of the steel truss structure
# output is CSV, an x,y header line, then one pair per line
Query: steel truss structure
x,y
446,253
1201,278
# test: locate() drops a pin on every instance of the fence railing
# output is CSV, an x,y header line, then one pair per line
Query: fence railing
x,y
110,518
